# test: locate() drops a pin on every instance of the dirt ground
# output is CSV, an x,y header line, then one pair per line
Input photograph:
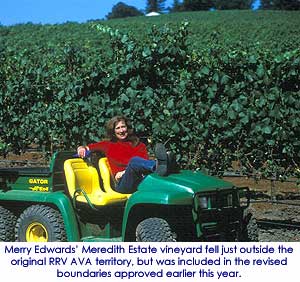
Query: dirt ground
x,y
27,159
275,207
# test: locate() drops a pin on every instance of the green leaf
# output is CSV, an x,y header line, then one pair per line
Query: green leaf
x,y
216,77
245,119
175,127
146,52
231,114
124,97
61,94
252,59
211,93
261,102
170,104
205,70
166,112
260,71
224,79
236,106
147,112
216,109
267,129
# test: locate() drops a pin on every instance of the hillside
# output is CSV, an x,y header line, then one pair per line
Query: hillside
x,y
268,29
276,30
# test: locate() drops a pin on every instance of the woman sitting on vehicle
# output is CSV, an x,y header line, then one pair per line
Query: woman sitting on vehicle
x,y
127,156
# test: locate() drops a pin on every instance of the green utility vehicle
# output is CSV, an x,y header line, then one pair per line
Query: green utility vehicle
x,y
74,200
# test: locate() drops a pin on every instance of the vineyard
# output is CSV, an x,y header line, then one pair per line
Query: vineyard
x,y
218,87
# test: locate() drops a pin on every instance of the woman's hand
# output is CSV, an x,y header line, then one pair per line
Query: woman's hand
x,y
81,151
119,175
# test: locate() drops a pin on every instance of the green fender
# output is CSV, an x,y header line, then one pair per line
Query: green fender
x,y
156,190
59,199
161,198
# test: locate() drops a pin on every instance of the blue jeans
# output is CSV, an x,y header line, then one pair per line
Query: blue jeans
x,y
135,172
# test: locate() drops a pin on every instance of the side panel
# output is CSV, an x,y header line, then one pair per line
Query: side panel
x,y
32,179
59,199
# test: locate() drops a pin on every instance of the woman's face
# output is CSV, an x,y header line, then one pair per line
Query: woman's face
x,y
121,130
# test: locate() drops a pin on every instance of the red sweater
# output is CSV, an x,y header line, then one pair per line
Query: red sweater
x,y
119,153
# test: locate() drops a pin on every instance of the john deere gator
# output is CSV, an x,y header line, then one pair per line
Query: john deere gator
x,y
74,200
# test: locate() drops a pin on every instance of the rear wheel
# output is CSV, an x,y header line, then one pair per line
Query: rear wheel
x,y
40,223
154,230
7,225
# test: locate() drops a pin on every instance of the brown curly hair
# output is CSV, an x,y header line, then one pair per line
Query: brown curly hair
x,y
110,130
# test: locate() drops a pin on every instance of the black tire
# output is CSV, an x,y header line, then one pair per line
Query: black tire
x,y
39,223
154,230
250,229
7,225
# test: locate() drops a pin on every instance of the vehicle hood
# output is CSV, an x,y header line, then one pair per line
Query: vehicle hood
x,y
185,181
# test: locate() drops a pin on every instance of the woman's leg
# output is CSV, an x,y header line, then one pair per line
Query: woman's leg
x,y
134,174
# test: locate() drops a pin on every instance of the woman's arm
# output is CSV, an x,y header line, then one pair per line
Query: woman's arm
x,y
99,146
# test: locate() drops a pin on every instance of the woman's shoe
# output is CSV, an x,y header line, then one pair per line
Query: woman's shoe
x,y
161,159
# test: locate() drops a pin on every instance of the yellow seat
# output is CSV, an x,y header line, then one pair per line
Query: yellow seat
x,y
107,178
83,184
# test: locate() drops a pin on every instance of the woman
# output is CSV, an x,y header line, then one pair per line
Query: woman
x,y
127,156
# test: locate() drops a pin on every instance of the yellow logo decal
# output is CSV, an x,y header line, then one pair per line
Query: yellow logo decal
x,y
37,181
39,188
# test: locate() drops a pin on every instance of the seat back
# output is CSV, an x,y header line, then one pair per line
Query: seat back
x,y
80,175
107,177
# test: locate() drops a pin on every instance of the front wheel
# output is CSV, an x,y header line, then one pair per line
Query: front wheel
x,y
39,223
154,230
250,229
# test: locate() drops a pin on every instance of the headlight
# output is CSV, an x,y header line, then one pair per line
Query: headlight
x,y
203,202
229,200
225,201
